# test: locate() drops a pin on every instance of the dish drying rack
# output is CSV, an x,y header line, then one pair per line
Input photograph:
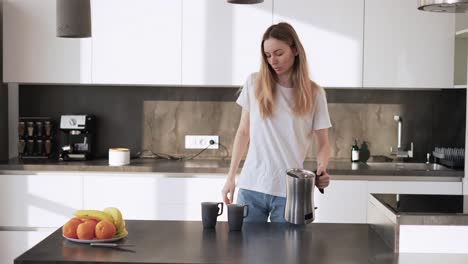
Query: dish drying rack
x,y
451,157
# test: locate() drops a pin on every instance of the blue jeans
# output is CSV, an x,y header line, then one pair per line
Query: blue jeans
x,y
262,205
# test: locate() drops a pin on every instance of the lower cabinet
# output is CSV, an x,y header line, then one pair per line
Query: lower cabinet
x,y
415,187
345,201
153,197
342,202
39,200
48,200
15,243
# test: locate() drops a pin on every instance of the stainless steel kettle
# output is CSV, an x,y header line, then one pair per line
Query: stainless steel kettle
x,y
300,207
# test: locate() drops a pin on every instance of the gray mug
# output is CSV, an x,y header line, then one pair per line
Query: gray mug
x,y
236,215
210,213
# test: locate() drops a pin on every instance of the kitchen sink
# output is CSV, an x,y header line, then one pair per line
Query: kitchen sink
x,y
407,166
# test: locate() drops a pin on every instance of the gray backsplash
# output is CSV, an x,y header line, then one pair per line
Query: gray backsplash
x,y
157,118
3,122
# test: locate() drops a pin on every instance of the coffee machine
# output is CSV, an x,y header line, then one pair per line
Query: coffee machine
x,y
78,137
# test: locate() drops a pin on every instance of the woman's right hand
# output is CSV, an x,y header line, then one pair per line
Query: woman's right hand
x,y
228,190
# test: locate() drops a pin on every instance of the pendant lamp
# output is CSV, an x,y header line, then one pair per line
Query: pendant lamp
x,y
73,18
443,6
245,1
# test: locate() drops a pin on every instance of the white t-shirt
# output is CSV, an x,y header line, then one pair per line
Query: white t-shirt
x,y
277,143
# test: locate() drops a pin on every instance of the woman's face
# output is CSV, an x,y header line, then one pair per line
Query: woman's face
x,y
279,54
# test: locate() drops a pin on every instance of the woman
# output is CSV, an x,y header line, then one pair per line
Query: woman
x,y
281,110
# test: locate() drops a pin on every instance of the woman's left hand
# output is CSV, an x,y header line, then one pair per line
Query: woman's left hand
x,y
324,180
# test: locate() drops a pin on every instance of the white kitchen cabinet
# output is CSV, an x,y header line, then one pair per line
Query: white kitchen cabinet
x,y
461,22
31,51
407,48
137,42
415,187
332,35
345,201
342,202
39,200
221,41
15,243
152,196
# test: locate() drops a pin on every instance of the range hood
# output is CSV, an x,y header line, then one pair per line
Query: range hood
x,y
245,1
443,6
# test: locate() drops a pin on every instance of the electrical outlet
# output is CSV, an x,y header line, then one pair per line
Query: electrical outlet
x,y
201,142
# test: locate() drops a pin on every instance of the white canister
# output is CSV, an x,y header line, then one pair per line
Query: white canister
x,y
119,156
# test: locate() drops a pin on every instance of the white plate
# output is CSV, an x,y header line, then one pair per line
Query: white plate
x,y
94,240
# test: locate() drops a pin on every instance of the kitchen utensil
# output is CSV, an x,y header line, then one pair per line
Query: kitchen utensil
x,y
30,128
119,156
21,128
79,137
111,245
47,127
300,207
39,128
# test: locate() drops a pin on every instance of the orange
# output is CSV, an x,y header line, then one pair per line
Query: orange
x,y
92,222
85,230
76,219
105,229
70,227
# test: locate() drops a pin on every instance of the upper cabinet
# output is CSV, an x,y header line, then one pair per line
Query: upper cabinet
x,y
31,51
137,42
407,48
332,34
221,41
373,43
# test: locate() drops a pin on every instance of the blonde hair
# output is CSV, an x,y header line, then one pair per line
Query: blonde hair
x,y
265,81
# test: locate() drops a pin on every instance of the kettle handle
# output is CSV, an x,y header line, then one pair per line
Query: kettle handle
x,y
318,176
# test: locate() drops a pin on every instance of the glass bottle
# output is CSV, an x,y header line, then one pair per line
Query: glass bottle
x,y
355,152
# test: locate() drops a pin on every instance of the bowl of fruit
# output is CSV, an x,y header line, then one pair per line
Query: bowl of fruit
x,y
91,226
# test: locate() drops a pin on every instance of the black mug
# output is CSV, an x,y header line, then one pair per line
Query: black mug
x,y
236,215
210,213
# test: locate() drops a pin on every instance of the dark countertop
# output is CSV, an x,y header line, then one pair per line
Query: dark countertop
x,y
425,203
221,167
187,242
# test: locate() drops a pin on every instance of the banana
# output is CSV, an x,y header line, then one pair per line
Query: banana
x,y
118,219
93,214
122,233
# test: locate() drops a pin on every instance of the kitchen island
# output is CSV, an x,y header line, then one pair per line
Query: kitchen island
x,y
188,242
421,223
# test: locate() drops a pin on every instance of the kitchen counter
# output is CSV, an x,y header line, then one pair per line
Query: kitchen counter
x,y
421,222
411,207
187,242
220,167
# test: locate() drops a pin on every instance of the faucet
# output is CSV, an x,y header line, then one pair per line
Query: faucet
x,y
400,152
